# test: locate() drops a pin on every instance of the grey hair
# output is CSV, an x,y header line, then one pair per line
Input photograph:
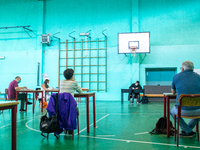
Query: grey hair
x,y
188,65
17,77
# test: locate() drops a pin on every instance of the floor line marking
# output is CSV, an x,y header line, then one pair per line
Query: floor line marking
x,y
141,133
61,134
92,124
144,142
105,135
16,121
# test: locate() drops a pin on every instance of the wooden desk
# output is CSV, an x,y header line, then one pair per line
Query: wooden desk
x,y
168,96
30,91
87,95
130,91
11,105
53,90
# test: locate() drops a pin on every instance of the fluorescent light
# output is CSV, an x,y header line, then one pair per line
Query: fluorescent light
x,y
2,57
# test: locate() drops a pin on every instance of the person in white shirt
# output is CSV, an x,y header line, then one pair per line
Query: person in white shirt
x,y
44,87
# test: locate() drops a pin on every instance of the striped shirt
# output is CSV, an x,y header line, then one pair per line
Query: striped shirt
x,y
69,87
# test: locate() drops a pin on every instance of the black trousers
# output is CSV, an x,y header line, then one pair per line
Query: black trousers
x,y
135,95
23,98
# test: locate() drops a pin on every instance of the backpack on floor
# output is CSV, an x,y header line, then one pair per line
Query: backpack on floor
x,y
161,127
50,124
144,100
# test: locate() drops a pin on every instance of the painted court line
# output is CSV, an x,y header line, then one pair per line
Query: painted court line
x,y
16,121
143,142
141,133
105,135
62,134
92,123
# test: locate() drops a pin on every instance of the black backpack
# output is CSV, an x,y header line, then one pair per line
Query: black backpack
x,y
144,100
51,124
161,127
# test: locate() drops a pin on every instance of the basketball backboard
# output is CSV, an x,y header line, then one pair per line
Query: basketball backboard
x,y
141,40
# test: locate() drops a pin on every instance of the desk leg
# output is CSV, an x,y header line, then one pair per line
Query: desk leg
x,y
33,102
164,106
42,103
45,98
14,143
94,120
26,100
17,97
168,116
87,109
122,98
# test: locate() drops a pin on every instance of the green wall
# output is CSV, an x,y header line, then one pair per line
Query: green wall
x,y
174,28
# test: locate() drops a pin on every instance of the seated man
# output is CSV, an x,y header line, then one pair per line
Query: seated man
x,y
135,85
13,86
186,82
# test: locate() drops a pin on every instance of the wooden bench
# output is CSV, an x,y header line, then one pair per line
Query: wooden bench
x,y
155,92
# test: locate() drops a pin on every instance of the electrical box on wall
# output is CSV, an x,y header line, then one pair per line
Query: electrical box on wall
x,y
45,38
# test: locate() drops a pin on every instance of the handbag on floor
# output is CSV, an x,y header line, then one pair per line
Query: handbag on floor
x,y
144,100
50,124
161,127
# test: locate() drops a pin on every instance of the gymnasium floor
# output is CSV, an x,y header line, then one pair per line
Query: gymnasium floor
x,y
119,127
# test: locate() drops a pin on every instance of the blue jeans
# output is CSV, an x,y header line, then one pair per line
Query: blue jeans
x,y
186,127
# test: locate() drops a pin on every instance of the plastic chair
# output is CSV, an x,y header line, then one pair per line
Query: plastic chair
x,y
187,100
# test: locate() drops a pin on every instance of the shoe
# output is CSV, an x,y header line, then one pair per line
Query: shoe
x,y
70,131
28,103
138,103
188,135
22,110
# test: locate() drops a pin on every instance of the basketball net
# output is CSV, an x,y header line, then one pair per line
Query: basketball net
x,y
133,50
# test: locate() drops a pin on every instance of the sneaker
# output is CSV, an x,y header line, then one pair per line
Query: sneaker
x,y
28,103
188,135
138,103
22,110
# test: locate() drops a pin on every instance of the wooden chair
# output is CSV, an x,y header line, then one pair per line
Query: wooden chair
x,y
187,100
6,97
72,130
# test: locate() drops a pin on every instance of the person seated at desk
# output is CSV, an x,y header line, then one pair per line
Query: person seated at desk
x,y
135,85
44,87
69,85
13,86
186,82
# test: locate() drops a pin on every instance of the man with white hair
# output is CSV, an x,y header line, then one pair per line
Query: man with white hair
x,y
186,82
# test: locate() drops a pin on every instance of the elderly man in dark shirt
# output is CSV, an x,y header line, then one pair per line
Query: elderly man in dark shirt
x,y
13,86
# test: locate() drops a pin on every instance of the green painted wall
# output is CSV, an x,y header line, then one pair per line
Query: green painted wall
x,y
174,28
